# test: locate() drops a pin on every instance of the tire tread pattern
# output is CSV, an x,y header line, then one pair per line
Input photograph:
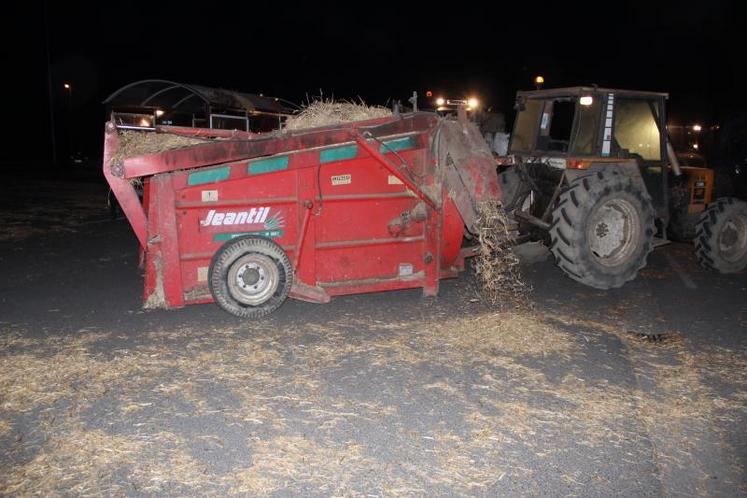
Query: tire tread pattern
x,y
706,235
574,206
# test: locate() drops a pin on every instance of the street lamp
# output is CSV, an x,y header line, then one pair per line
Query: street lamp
x,y
69,90
70,122
697,127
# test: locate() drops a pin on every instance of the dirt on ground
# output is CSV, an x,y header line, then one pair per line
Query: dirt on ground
x,y
44,207
278,390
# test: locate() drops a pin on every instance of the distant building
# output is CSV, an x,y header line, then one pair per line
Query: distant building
x,y
144,104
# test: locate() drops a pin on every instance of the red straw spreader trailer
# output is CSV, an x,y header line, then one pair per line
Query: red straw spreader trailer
x,y
247,220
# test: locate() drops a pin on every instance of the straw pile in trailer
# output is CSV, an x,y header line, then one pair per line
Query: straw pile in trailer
x,y
139,143
328,112
496,265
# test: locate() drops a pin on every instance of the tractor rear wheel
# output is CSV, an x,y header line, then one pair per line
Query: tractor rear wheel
x,y
721,237
602,229
250,277
514,190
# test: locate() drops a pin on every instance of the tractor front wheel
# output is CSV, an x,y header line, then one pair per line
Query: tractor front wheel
x,y
721,236
602,229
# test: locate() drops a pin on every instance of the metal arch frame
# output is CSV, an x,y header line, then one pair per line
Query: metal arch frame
x,y
160,92
173,84
183,100
194,91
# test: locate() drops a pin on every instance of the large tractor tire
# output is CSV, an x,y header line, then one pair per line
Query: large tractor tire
x,y
514,190
602,229
721,237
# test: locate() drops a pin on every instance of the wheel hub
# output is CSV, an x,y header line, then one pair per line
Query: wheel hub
x,y
602,230
614,231
250,275
253,279
732,241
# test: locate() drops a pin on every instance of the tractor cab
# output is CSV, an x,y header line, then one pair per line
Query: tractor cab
x,y
583,123
573,128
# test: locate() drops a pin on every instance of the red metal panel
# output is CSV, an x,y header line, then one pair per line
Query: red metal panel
x,y
431,253
351,221
307,185
374,285
452,232
153,288
169,242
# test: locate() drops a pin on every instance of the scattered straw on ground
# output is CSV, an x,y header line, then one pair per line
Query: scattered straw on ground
x,y
78,461
496,265
511,382
508,333
329,468
328,112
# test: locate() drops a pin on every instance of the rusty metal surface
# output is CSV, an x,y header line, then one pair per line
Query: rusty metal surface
x,y
468,166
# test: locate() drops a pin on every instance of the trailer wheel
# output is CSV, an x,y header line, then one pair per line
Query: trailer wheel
x,y
250,277
721,237
602,229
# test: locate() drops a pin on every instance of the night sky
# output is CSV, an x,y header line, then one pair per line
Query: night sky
x,y
377,51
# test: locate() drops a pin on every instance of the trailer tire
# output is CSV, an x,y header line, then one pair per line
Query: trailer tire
x,y
250,276
721,236
602,229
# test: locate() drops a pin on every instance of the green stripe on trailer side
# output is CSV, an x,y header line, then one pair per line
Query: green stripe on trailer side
x,y
397,144
209,176
338,154
272,234
268,165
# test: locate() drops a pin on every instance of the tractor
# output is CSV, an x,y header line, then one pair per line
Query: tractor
x,y
590,171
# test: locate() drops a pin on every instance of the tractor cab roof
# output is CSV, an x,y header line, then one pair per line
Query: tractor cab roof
x,y
574,91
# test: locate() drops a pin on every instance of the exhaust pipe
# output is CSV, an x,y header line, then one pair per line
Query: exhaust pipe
x,y
673,159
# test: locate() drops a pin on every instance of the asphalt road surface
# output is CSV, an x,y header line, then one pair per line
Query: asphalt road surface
x,y
388,394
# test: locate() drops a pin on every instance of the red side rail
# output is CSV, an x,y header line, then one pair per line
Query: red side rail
x,y
123,189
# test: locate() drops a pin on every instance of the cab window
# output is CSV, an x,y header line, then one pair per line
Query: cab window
x,y
586,124
635,128
525,129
